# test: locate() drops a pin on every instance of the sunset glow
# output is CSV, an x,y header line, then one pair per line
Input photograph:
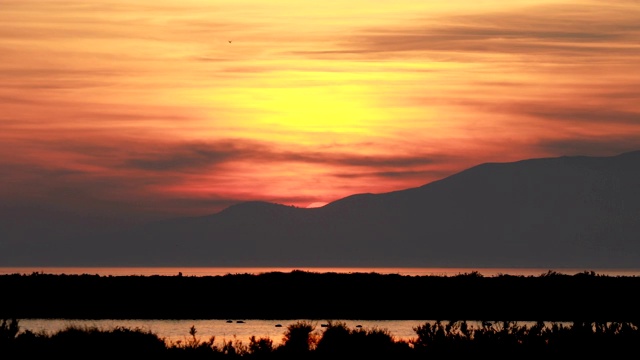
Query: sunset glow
x,y
172,108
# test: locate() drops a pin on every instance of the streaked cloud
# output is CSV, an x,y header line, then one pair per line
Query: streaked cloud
x,y
591,145
559,32
106,171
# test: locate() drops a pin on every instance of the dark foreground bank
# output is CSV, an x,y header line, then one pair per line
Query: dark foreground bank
x,y
437,340
306,295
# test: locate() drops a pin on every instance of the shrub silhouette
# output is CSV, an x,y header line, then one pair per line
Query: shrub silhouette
x,y
260,348
439,338
376,342
8,330
82,342
299,338
194,347
336,339
339,340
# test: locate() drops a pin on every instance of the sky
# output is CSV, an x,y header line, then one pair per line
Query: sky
x,y
154,109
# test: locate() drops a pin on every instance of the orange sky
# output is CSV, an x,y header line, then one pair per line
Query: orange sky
x,y
168,108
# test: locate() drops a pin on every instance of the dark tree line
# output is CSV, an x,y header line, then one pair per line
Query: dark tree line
x,y
306,295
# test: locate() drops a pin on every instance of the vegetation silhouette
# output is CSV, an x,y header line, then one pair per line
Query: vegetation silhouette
x,y
338,340
552,296
457,339
299,339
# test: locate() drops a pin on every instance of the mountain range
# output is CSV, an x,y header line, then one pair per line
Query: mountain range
x,y
568,211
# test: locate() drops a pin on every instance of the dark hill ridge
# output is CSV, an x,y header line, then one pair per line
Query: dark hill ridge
x,y
579,212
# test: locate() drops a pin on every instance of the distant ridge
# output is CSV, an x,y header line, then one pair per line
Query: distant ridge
x,y
569,211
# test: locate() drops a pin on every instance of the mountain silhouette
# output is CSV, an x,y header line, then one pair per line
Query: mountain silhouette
x,y
569,211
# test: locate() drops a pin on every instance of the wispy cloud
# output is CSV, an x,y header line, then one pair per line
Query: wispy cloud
x,y
600,31
194,156
593,145
119,172
585,115
201,156
421,176
572,110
